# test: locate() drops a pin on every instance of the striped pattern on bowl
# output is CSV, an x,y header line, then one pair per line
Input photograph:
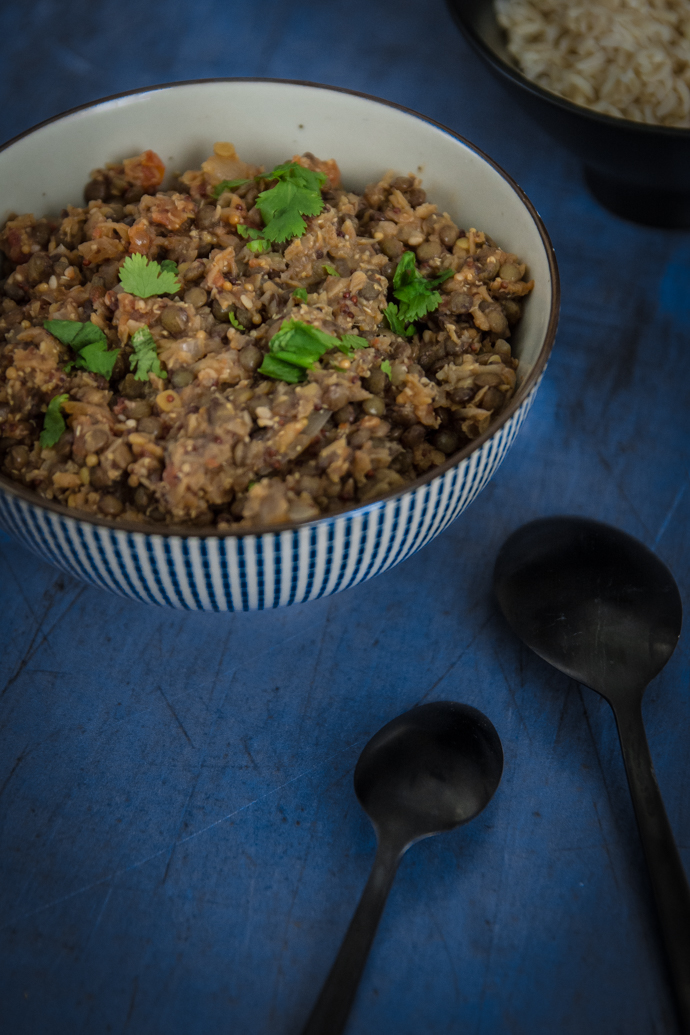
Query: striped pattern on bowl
x,y
254,572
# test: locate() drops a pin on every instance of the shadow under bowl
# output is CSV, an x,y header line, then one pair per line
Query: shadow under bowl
x,y
639,172
268,121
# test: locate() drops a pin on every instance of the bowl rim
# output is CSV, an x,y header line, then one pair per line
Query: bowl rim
x,y
518,400
459,12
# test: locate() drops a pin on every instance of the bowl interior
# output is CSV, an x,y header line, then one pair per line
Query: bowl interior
x,y
269,121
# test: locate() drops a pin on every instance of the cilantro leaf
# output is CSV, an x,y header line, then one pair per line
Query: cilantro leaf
x,y
235,322
414,292
300,293
395,323
299,175
298,359
298,346
145,356
297,194
386,367
89,342
437,281
97,359
302,339
145,278
282,208
54,422
330,270
349,342
256,242
220,188
169,266
74,333
280,370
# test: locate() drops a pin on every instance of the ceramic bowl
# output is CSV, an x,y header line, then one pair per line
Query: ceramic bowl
x,y
268,121
640,172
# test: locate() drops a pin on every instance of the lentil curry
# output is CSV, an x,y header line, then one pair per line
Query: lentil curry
x,y
198,434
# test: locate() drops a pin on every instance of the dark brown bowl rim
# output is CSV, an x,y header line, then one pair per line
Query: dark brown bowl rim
x,y
459,7
212,532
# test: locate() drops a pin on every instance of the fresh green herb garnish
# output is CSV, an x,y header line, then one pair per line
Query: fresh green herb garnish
x,y
226,185
145,356
394,321
97,358
54,423
145,278
386,367
300,293
297,194
280,370
169,266
300,343
75,334
88,341
331,271
417,295
235,322
256,241
298,346
350,342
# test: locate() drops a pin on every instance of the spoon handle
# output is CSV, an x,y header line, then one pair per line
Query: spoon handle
x,y
668,878
333,1006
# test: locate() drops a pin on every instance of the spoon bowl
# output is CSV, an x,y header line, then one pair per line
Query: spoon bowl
x,y
591,600
598,605
431,769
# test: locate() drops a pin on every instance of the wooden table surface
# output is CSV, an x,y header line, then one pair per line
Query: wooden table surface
x,y
180,845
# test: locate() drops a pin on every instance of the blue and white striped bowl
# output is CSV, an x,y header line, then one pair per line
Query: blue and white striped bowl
x,y
270,120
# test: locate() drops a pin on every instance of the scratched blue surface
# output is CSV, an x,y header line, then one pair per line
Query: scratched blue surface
x,y
180,846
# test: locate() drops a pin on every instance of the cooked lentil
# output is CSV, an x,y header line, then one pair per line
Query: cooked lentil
x,y
216,442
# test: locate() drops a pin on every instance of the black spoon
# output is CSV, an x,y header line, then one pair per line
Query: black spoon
x,y
601,607
427,771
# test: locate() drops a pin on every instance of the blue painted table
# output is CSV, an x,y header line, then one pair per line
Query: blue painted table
x,y
181,848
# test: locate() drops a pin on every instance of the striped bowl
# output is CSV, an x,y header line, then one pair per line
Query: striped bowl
x,y
269,120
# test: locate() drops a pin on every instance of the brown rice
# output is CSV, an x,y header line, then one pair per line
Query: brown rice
x,y
626,58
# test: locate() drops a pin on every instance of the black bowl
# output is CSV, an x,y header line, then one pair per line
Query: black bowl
x,y
638,171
